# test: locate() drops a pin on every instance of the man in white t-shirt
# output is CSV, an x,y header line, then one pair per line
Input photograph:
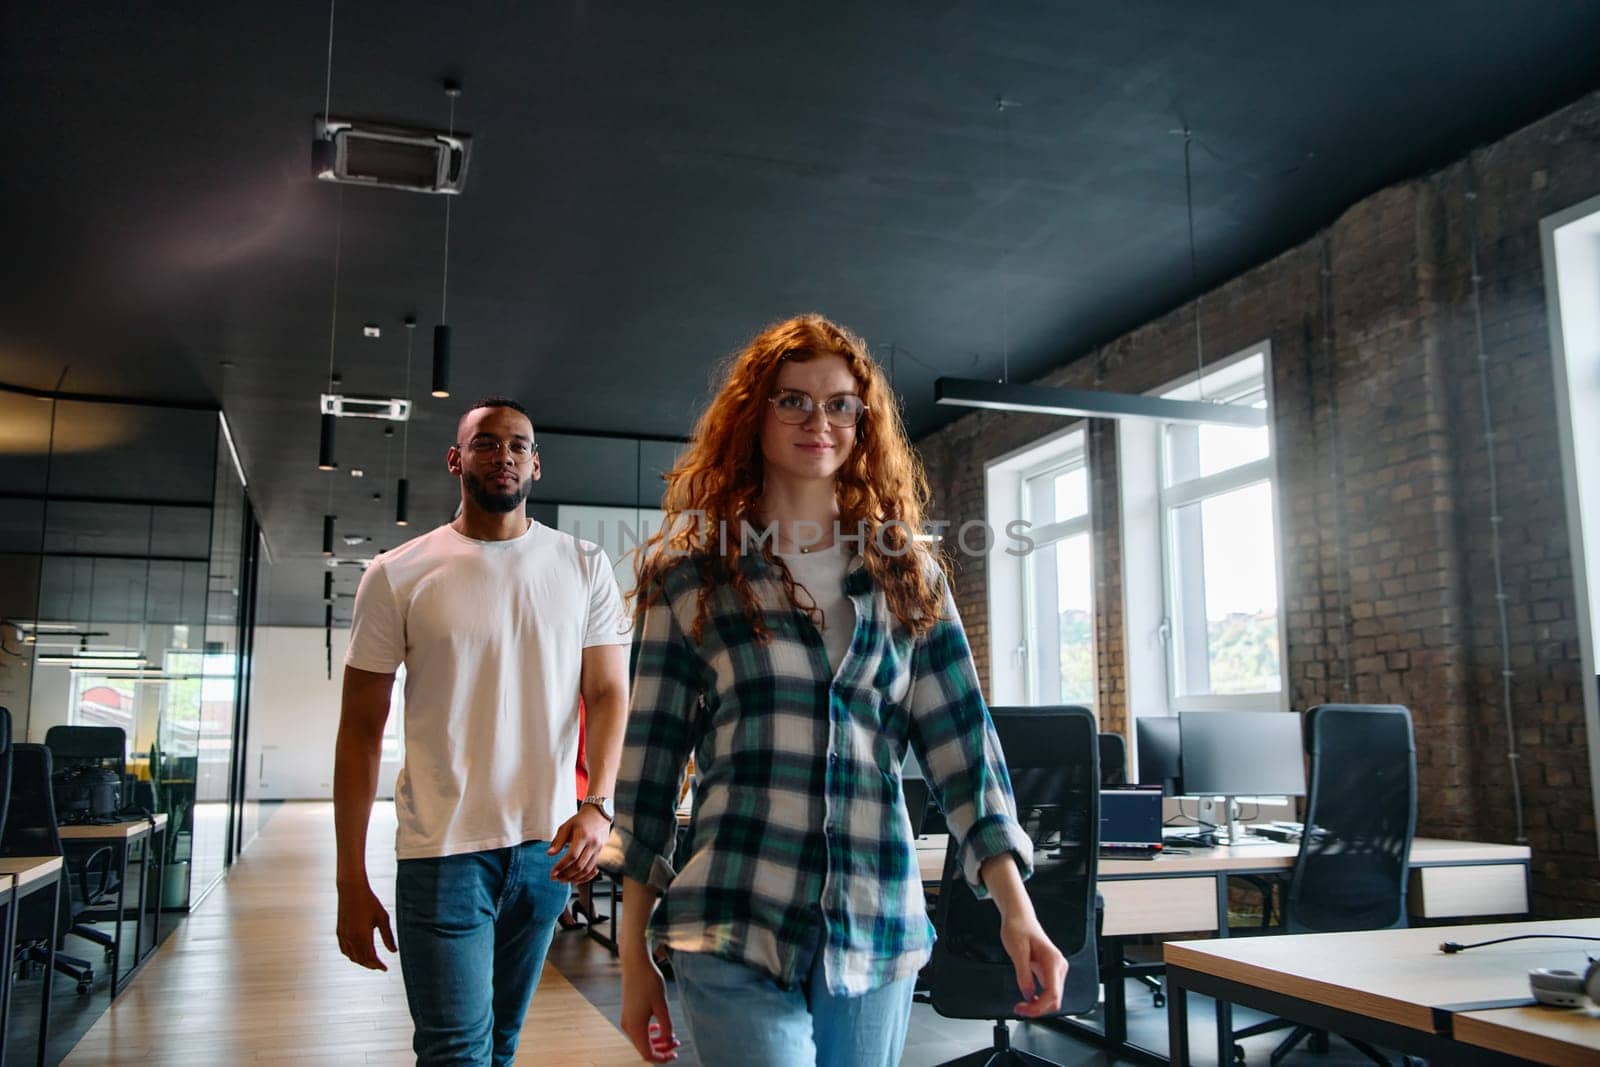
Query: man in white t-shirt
x,y
502,625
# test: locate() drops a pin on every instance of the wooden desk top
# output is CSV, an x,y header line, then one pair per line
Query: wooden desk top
x,y
1271,855
111,831
1565,1037
1399,976
29,869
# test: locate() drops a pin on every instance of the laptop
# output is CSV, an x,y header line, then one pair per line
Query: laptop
x,y
1130,821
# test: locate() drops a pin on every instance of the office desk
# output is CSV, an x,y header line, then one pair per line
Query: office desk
x,y
23,877
1182,893
1391,987
122,837
1566,1037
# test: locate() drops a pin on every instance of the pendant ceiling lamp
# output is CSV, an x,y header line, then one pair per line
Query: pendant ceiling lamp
x,y
441,332
325,460
403,488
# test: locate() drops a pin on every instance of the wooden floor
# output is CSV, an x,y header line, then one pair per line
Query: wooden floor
x,y
255,975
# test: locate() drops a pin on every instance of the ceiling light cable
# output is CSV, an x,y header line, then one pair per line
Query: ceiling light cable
x,y
327,89
1000,105
1194,262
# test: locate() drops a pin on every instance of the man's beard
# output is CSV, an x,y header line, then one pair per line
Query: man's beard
x,y
493,502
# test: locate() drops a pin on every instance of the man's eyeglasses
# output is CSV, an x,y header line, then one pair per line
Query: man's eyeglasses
x,y
488,447
794,407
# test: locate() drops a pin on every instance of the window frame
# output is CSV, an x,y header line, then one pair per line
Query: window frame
x,y
1060,454
1177,561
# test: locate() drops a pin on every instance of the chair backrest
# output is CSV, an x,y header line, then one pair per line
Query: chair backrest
x,y
30,828
5,765
105,744
1361,814
1054,762
1113,760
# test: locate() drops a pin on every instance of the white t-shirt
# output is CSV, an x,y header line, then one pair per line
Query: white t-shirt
x,y
822,572
492,635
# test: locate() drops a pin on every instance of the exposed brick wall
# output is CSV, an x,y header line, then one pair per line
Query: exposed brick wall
x,y
1384,508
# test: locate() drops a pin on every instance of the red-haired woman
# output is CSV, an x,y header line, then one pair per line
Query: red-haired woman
x,y
795,639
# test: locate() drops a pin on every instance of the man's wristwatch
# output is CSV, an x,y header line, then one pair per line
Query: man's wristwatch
x,y
604,804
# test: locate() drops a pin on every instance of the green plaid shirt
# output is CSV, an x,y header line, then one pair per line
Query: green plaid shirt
x,y
799,839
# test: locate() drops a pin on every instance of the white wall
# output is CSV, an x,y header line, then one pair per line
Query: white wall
x,y
294,716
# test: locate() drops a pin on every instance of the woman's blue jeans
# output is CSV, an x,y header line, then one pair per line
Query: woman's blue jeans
x,y
739,1017
474,930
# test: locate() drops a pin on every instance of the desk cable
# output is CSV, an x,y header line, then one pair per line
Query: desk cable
x,y
1451,947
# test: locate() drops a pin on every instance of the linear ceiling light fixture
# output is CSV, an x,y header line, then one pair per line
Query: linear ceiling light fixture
x,y
1095,403
441,332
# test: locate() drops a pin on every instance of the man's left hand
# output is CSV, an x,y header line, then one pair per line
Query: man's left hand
x,y
583,836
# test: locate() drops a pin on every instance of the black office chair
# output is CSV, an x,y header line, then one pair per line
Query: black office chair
x,y
1113,760
30,830
1054,762
1361,813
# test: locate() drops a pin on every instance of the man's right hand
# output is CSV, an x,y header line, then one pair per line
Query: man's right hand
x,y
645,1017
360,913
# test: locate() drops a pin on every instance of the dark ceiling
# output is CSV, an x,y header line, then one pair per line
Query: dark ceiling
x,y
652,182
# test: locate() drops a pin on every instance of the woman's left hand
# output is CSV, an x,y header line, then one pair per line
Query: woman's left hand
x,y
1039,965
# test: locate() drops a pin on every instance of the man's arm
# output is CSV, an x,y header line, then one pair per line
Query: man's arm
x,y
604,684
356,755
603,681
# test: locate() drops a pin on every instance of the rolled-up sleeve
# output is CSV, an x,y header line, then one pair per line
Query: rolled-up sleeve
x,y
661,730
954,738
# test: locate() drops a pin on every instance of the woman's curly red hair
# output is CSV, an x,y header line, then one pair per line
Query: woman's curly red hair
x,y
714,488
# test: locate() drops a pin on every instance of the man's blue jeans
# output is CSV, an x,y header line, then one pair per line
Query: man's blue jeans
x,y
474,930
739,1017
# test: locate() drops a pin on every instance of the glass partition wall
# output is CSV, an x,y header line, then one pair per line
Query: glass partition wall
x,y
125,561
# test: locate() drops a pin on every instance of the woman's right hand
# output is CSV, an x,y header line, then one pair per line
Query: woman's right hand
x,y
645,1016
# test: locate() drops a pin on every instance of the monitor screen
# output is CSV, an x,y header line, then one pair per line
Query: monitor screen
x,y
1241,753
1130,817
1157,741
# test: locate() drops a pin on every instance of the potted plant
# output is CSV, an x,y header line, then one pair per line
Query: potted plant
x,y
170,798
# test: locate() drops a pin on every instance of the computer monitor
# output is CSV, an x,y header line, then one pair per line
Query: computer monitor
x,y
1159,763
1241,754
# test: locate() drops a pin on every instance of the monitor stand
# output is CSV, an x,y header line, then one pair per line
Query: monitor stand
x,y
1221,814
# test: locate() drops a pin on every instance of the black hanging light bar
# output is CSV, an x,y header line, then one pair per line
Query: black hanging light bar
x,y
327,535
402,493
441,332
325,447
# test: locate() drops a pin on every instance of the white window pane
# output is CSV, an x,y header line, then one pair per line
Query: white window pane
x,y
1072,494
1199,451
1075,615
1226,598
1226,447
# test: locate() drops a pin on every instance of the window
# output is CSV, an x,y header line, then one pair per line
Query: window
x,y
1223,627
1041,574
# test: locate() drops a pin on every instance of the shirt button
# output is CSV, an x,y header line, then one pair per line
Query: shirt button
x,y
833,758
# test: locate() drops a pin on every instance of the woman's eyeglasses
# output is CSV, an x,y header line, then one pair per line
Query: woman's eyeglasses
x,y
795,407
